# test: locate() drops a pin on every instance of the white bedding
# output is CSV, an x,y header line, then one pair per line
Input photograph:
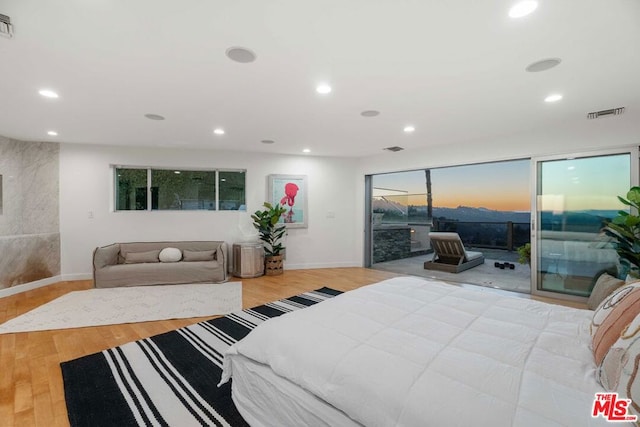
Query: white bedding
x,y
265,399
414,352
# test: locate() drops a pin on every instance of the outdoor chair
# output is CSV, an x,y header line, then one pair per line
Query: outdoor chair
x,y
450,254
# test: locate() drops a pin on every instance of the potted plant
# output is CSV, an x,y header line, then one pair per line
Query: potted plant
x,y
271,233
625,230
524,254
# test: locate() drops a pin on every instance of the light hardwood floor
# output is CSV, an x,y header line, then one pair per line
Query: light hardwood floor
x,y
31,389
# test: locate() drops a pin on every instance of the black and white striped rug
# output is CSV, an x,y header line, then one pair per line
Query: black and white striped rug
x,y
169,379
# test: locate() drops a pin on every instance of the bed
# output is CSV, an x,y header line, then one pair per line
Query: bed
x,y
414,352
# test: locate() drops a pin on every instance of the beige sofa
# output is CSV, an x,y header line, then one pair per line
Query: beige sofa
x,y
137,264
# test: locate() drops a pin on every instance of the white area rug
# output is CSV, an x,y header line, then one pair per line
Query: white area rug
x,y
112,306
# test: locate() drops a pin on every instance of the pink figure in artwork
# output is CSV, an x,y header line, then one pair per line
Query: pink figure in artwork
x,y
290,191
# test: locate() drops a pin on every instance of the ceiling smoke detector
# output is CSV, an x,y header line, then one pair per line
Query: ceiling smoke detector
x,y
605,113
394,149
6,29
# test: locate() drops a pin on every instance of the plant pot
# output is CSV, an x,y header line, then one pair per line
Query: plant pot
x,y
273,265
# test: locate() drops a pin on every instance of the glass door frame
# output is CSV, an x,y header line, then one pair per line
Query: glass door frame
x,y
634,179
368,222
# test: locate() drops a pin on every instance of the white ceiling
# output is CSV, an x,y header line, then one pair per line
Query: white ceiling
x,y
453,69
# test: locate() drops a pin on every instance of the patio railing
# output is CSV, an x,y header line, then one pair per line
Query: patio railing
x,y
489,235
494,235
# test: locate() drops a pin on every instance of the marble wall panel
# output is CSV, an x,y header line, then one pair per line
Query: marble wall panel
x,y
11,170
28,258
29,219
40,188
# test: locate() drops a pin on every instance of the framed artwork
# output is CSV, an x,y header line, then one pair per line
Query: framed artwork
x,y
291,192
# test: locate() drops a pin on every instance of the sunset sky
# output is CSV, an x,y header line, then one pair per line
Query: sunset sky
x,y
500,186
566,184
587,183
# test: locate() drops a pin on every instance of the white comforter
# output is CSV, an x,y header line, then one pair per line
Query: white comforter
x,y
413,352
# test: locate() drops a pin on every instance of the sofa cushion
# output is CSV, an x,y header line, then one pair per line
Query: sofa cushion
x,y
106,255
198,255
170,255
161,273
141,257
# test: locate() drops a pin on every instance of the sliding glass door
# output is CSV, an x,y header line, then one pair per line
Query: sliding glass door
x,y
575,197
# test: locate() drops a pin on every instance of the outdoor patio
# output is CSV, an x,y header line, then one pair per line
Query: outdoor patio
x,y
518,279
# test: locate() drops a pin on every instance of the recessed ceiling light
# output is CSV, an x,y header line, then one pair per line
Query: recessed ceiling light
x,y
370,113
268,141
48,93
409,129
553,98
240,54
543,65
306,150
52,133
154,116
522,8
218,131
323,89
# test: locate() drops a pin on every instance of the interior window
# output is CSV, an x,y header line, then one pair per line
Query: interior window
x,y
183,190
179,189
232,190
131,189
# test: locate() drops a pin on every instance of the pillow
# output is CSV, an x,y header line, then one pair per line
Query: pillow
x,y
140,257
611,317
106,255
619,368
603,288
198,255
170,255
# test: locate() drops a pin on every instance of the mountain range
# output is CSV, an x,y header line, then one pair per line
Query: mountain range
x,y
589,218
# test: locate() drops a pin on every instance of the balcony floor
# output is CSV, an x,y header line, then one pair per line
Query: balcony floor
x,y
518,279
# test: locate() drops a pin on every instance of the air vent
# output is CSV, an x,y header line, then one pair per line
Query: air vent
x,y
6,29
394,149
605,113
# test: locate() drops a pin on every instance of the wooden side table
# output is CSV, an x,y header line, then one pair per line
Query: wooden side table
x,y
248,259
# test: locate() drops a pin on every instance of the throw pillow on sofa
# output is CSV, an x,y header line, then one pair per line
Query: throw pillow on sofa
x,y
198,255
141,257
170,255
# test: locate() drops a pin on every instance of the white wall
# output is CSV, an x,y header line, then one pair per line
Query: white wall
x,y
86,185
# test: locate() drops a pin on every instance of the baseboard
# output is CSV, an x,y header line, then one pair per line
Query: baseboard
x,y
76,276
288,266
29,286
